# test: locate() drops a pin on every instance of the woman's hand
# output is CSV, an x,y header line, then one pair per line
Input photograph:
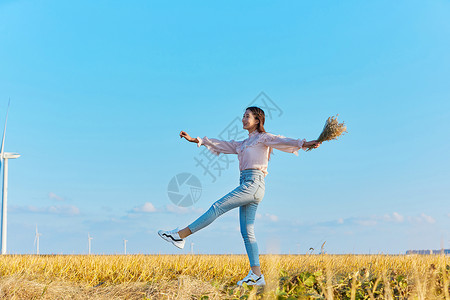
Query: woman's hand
x,y
313,144
184,134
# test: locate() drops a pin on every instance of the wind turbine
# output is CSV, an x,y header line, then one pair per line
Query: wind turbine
x,y
89,243
192,248
125,246
36,240
4,156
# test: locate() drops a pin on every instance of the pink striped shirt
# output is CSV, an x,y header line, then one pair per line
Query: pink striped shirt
x,y
253,152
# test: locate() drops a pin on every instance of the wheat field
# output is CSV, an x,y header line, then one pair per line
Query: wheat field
x,y
215,276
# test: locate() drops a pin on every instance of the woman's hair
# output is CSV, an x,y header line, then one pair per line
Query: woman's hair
x,y
258,113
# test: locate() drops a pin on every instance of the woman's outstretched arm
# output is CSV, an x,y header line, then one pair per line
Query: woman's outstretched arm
x,y
314,143
184,134
214,145
287,144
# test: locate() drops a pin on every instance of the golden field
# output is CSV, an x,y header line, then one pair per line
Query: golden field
x,y
215,276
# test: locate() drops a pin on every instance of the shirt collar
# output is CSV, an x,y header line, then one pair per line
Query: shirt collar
x,y
254,132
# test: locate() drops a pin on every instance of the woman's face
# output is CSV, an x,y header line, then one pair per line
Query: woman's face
x,y
248,121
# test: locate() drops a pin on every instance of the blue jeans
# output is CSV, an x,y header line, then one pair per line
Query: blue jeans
x,y
247,197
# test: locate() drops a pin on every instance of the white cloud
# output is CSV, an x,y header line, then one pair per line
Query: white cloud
x,y
423,218
428,219
272,218
55,197
367,222
183,210
267,217
395,217
64,210
379,220
177,209
398,217
69,210
148,207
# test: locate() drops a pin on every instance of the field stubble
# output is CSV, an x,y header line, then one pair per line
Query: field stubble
x,y
215,277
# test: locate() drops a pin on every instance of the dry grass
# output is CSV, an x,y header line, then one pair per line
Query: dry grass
x,y
214,277
332,130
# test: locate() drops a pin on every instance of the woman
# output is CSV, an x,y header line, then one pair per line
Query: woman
x,y
253,155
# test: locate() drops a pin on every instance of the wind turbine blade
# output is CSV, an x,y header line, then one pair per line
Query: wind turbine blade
x,y
4,133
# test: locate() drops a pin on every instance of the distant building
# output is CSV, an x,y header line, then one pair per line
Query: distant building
x,y
444,251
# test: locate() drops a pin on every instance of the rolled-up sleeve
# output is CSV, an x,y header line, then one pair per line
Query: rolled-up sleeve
x,y
283,143
218,146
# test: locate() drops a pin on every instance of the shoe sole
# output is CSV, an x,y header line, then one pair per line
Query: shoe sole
x,y
250,282
169,239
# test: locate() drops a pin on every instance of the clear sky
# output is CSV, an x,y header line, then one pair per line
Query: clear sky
x,y
101,89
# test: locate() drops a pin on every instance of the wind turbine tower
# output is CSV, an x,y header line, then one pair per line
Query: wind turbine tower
x,y
36,240
125,246
89,243
4,156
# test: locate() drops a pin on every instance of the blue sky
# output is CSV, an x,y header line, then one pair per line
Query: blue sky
x,y
101,89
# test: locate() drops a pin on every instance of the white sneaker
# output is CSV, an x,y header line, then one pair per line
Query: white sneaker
x,y
252,279
172,237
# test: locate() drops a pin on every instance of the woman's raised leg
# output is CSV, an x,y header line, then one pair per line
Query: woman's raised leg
x,y
184,233
242,195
